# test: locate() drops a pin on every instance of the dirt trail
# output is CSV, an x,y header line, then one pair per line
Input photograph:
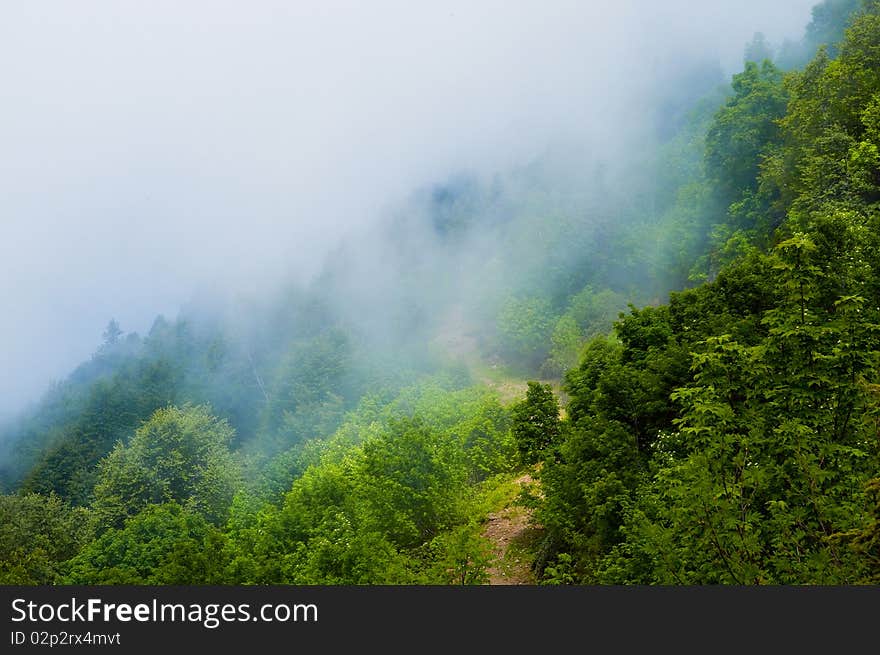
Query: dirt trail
x,y
511,535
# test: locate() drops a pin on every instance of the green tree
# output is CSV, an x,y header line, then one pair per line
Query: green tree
x,y
413,479
461,557
307,397
179,455
757,50
37,534
567,343
536,423
743,133
112,333
829,20
162,545
524,329
109,410
771,462
827,130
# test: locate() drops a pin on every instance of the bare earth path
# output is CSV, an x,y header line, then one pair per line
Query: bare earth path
x,y
509,529
511,536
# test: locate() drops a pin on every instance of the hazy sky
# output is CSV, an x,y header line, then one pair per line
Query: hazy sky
x,y
147,148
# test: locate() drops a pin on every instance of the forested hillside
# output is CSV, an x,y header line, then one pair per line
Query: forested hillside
x,y
730,436
682,350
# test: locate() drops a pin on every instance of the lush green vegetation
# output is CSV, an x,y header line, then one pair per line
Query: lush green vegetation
x,y
387,498
730,436
346,433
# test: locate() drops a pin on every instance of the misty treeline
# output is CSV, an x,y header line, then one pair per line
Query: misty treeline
x,y
360,429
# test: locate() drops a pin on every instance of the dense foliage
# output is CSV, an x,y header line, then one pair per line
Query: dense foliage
x,y
731,435
360,430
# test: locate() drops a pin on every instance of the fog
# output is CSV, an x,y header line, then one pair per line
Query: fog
x,y
151,149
